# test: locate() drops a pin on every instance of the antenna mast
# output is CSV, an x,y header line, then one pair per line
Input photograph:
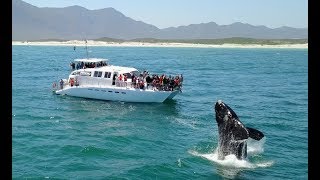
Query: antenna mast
x,y
87,49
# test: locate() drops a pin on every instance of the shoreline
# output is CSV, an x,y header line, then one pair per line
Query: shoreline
x,y
146,44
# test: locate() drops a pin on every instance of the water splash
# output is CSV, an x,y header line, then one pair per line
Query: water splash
x,y
230,166
179,162
229,160
255,147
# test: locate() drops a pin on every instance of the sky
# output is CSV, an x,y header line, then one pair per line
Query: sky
x,y
174,13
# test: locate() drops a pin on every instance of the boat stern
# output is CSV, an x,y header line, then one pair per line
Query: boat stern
x,y
173,94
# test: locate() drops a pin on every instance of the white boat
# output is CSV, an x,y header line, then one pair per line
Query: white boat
x,y
95,78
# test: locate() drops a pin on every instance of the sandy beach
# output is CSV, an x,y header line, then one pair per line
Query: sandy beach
x,y
145,44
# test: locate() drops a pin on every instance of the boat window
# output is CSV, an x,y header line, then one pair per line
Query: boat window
x,y
75,73
107,74
127,74
97,74
84,73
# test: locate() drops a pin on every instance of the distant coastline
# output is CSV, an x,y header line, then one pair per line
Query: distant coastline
x,y
157,44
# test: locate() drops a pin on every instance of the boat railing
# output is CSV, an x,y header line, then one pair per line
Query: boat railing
x,y
148,86
58,85
80,82
125,84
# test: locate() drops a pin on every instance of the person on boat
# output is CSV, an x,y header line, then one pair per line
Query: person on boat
x,y
71,81
165,83
141,84
72,65
161,80
119,81
76,81
61,84
171,83
54,85
133,80
154,83
181,78
176,82
148,80
137,82
125,78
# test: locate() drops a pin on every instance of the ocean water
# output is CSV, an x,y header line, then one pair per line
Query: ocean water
x,y
61,137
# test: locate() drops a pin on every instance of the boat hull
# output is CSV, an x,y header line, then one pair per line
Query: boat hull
x,y
118,94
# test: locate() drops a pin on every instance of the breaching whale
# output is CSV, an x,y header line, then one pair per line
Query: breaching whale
x,y
232,133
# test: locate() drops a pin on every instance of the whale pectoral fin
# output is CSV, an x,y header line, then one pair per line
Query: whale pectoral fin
x,y
255,134
240,133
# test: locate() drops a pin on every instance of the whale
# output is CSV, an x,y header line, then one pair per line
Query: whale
x,y
232,133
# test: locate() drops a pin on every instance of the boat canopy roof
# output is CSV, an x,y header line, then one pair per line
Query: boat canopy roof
x,y
122,69
91,60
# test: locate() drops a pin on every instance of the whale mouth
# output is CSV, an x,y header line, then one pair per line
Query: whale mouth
x,y
221,109
219,105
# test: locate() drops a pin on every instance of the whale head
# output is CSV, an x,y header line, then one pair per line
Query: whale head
x,y
223,112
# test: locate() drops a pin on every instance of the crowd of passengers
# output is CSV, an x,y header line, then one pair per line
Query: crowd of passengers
x,y
155,82
142,81
83,65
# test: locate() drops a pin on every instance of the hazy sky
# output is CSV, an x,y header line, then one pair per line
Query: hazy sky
x,y
173,13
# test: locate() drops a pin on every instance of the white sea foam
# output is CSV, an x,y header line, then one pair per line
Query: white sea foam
x,y
190,123
253,148
132,108
229,161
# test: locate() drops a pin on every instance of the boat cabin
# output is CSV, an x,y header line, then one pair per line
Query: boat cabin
x,y
97,72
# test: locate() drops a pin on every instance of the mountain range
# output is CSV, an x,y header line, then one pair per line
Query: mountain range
x,y
77,23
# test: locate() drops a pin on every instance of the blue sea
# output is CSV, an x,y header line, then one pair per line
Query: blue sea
x,y
62,137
